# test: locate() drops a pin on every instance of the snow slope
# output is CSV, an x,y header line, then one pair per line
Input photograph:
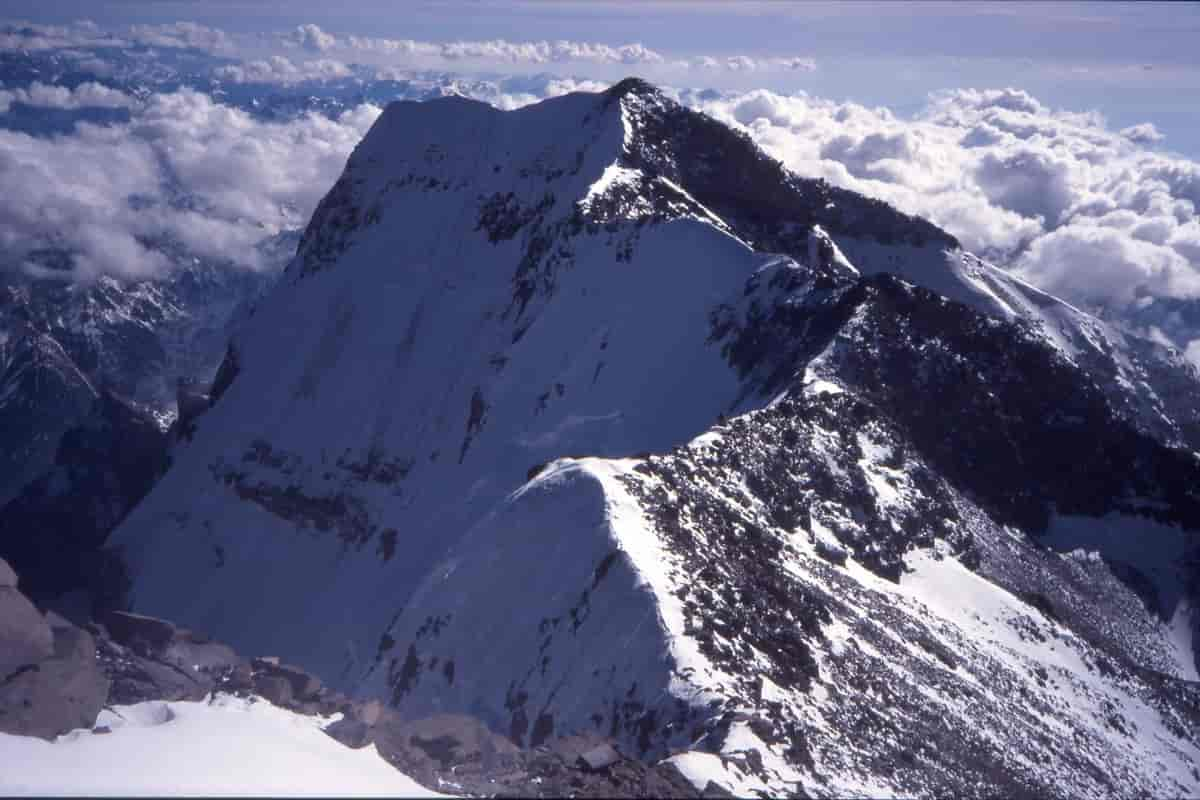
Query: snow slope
x,y
222,747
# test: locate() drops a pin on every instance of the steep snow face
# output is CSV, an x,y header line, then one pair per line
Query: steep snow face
x,y
590,416
407,374
223,747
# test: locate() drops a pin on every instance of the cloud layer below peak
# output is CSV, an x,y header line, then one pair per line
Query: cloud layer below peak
x,y
1074,207
1104,217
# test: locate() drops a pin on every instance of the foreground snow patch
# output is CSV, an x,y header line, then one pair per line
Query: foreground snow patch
x,y
226,746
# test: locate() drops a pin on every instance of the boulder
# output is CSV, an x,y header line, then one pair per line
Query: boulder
x,y
205,655
715,790
598,758
426,747
142,679
370,712
274,689
354,733
25,637
239,680
303,687
58,694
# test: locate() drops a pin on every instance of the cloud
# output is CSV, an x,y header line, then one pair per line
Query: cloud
x,y
507,52
282,70
85,95
1086,212
257,54
311,37
70,193
35,37
1145,133
1099,265
183,35
184,172
1033,182
503,52
85,34
1192,353
749,64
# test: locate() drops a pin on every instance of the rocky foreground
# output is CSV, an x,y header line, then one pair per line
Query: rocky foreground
x,y
57,677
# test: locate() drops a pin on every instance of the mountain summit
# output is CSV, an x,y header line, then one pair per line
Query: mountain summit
x,y
590,416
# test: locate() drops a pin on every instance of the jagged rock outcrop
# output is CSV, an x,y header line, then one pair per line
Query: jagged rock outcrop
x,y
50,680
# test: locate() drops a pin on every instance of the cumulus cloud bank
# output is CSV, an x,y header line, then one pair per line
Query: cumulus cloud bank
x,y
282,70
262,65
1088,213
185,172
183,35
85,95
87,34
504,52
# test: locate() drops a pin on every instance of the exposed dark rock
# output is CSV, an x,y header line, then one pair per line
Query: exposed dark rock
x,y
370,712
137,631
137,678
459,754
301,685
225,374
150,659
353,733
54,531
599,757
8,578
714,789
274,688
192,399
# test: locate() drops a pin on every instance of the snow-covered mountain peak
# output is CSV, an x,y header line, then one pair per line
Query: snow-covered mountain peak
x,y
630,153
601,377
